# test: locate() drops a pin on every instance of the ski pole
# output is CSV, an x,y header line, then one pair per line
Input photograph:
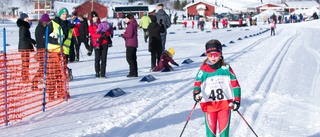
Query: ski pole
x,y
247,123
185,125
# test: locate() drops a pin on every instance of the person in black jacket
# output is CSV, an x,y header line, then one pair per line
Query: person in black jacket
x,y
40,35
155,44
25,44
163,18
84,33
41,31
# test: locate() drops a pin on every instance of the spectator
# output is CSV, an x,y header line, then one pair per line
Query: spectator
x,y
144,23
25,44
84,34
155,46
74,47
131,42
41,43
163,18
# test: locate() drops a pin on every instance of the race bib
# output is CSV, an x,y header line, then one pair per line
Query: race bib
x,y
217,88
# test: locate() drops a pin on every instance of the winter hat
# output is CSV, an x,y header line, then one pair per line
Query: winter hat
x,y
63,10
171,51
94,14
74,13
153,18
213,46
45,18
129,16
23,16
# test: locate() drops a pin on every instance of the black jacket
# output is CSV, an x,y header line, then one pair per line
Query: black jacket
x,y
163,18
40,35
25,40
65,26
154,35
84,29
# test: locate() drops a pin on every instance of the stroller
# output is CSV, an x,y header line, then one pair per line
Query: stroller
x,y
70,76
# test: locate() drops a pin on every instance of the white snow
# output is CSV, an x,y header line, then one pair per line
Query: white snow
x,y
279,76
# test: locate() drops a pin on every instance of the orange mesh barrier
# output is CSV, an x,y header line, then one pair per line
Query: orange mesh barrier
x,y
25,89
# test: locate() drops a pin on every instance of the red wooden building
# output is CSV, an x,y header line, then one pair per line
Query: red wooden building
x,y
42,6
201,8
91,5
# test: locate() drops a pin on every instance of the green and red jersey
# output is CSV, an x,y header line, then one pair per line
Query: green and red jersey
x,y
218,87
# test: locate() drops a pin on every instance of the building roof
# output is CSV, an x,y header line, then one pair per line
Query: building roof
x,y
302,3
191,4
131,8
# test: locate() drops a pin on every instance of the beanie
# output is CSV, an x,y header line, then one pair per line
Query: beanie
x,y
94,14
45,18
74,13
63,10
171,51
213,46
129,16
23,16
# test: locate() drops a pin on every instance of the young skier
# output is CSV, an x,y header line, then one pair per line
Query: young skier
x,y
217,89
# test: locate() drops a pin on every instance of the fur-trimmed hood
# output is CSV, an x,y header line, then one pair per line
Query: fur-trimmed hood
x,y
22,23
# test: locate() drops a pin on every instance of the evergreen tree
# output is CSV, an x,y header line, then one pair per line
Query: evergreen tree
x,y
151,1
176,5
183,4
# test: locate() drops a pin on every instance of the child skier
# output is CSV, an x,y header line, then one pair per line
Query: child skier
x,y
165,58
217,89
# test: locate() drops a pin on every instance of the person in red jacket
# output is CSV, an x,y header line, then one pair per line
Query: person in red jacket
x,y
165,58
192,24
99,44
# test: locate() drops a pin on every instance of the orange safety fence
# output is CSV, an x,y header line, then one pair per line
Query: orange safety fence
x,y
29,84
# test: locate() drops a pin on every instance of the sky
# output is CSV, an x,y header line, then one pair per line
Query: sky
x,y
279,77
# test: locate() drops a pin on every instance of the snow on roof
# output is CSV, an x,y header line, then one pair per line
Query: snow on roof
x,y
222,10
302,3
190,4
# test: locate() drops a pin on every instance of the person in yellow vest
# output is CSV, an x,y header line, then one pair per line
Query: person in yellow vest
x,y
66,29
144,23
63,38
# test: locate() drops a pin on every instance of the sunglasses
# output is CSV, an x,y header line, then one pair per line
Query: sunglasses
x,y
213,54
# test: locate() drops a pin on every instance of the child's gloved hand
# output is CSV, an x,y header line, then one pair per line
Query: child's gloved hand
x,y
235,105
176,64
196,96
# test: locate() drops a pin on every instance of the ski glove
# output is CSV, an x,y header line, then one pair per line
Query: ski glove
x,y
196,96
176,64
235,105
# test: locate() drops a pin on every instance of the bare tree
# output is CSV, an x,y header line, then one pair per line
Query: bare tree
x,y
4,7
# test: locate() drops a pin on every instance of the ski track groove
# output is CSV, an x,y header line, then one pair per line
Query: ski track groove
x,y
271,72
268,72
153,109
277,62
251,46
315,85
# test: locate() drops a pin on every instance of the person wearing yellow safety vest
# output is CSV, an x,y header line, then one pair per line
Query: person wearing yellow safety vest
x,y
144,23
66,29
59,25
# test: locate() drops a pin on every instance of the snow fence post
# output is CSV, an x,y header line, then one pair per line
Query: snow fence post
x,y
5,76
45,71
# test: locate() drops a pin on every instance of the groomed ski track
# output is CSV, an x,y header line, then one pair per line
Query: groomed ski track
x,y
259,90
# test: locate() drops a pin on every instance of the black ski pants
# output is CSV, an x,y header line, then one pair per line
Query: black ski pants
x,y
100,60
131,55
155,57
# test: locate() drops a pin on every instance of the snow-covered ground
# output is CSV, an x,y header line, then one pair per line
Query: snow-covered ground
x,y
279,76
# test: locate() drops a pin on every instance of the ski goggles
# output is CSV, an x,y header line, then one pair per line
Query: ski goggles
x,y
213,54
